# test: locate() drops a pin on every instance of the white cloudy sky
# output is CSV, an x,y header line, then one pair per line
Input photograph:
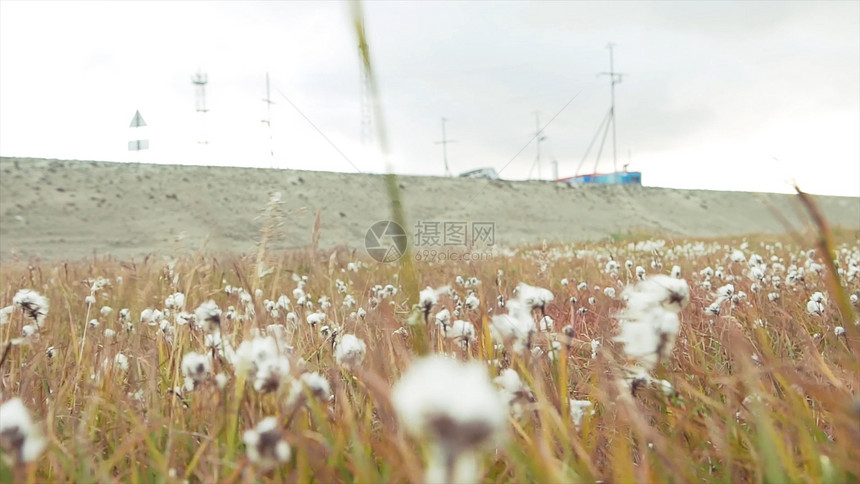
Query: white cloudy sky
x,y
713,91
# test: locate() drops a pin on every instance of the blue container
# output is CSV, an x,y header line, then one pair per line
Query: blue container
x,y
617,178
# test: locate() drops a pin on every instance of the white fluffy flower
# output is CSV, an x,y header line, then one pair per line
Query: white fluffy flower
x,y
349,351
513,391
443,318
815,307
726,291
650,324
261,360
533,297
546,324
595,345
578,409
20,440
472,302
121,362
264,444
669,293
316,385
175,301
208,315
221,380
6,312
315,318
463,331
195,368
456,408
151,316
34,305
516,327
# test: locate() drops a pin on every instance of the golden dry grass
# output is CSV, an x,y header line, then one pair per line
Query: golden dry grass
x,y
754,401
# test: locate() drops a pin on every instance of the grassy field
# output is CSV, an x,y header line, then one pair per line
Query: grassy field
x,y
760,385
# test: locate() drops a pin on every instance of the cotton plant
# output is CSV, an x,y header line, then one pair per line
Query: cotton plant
x,y
428,298
514,392
578,410
461,332
815,305
456,410
546,324
6,314
349,352
151,317
175,301
33,305
262,362
216,344
20,438
723,294
534,297
264,444
316,318
595,346
472,302
443,319
516,328
649,324
309,383
196,369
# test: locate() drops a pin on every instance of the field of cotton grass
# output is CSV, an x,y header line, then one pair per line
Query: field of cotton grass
x,y
638,361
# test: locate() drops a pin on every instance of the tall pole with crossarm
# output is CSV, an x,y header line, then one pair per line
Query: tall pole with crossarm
x,y
444,144
614,78
200,80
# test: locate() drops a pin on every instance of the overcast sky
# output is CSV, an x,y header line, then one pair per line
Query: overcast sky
x,y
712,91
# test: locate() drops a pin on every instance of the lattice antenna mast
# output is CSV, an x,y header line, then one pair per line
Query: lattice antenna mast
x,y
268,120
614,78
200,80
444,144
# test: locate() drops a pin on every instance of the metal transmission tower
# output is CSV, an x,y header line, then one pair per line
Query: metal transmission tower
x,y
614,78
268,120
538,139
199,80
444,144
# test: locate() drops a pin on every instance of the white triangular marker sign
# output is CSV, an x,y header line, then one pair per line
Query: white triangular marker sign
x,y
137,121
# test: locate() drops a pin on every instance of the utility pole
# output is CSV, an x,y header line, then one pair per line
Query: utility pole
x,y
199,80
538,139
614,78
268,120
444,144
